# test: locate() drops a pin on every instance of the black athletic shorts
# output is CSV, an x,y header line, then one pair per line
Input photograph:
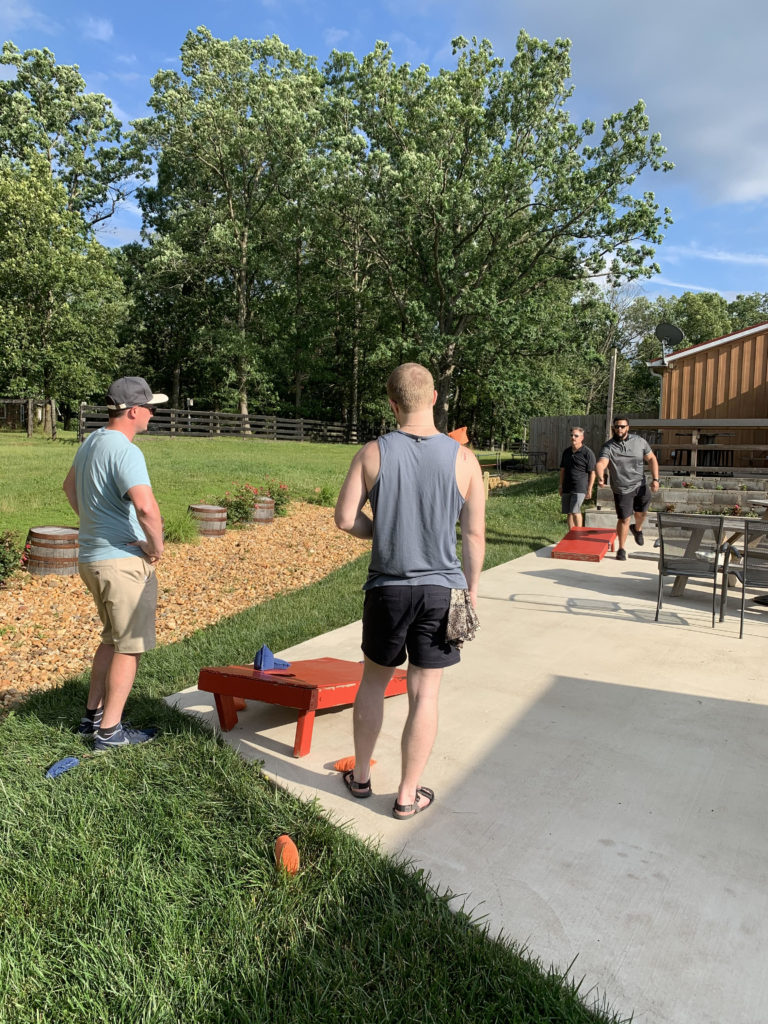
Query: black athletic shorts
x,y
633,501
397,619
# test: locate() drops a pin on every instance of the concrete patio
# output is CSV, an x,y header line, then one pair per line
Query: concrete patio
x,y
601,782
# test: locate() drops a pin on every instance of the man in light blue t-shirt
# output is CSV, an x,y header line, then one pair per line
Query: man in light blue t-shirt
x,y
121,541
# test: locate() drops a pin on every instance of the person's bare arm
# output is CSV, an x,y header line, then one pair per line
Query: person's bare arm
x,y
349,515
148,514
472,523
562,477
590,483
600,468
653,465
70,489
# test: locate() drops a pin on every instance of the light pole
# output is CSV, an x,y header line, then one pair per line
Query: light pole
x,y
673,336
611,390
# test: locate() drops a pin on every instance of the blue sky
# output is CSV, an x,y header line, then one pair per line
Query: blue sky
x,y
699,68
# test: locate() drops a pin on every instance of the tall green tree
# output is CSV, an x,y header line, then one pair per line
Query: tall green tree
x,y
47,119
492,201
748,310
61,300
228,136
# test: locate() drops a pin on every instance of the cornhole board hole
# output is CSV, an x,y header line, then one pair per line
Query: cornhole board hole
x,y
308,686
585,544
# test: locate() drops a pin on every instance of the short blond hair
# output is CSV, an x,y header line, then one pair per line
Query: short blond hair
x,y
411,386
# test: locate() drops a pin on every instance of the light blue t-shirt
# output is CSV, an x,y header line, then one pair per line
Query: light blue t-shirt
x,y
106,466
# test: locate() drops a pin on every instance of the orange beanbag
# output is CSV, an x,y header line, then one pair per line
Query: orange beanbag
x,y
286,855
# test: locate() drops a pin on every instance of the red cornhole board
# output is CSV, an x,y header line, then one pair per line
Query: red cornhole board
x,y
585,544
308,686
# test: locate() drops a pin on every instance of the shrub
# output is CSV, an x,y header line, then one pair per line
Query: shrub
x,y
10,553
181,528
278,492
240,500
323,496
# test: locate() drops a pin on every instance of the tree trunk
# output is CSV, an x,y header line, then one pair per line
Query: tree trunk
x,y
443,386
176,387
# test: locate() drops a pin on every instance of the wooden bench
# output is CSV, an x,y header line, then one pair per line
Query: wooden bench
x,y
308,686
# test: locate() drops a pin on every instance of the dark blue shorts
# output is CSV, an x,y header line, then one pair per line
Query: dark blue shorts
x,y
401,619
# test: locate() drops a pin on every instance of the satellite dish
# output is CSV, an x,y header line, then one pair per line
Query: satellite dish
x,y
669,333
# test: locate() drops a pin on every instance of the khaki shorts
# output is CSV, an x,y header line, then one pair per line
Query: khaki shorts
x,y
125,592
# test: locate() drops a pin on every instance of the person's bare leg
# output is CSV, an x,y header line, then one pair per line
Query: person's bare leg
x,y
639,520
577,519
367,716
420,728
622,531
102,659
571,521
122,672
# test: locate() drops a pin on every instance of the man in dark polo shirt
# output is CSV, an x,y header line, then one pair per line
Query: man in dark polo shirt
x,y
627,454
577,476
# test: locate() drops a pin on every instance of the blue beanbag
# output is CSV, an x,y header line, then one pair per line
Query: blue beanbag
x,y
265,660
61,766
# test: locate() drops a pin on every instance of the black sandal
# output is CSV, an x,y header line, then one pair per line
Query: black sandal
x,y
361,790
402,811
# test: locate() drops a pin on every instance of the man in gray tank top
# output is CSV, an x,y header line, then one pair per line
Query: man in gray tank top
x,y
419,483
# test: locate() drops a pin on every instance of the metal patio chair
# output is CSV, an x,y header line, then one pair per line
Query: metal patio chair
x,y
691,547
753,569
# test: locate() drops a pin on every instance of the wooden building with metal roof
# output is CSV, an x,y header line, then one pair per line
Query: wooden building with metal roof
x,y
722,380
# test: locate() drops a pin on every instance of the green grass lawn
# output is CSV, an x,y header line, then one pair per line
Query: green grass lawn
x,y
183,471
140,887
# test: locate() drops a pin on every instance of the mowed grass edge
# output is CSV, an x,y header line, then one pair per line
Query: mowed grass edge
x,y
141,887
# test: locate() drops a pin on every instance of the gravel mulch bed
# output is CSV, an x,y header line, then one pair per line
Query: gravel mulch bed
x,y
49,627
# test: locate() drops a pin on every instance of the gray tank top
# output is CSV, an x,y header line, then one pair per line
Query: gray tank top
x,y
416,504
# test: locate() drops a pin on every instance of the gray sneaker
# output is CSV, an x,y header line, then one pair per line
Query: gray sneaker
x,y
123,737
621,555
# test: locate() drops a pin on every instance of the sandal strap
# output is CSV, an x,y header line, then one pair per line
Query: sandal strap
x,y
354,785
414,807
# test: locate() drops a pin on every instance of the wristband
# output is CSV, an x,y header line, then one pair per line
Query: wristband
x,y
655,480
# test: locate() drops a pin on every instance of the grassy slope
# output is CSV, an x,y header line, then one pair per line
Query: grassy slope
x,y
140,887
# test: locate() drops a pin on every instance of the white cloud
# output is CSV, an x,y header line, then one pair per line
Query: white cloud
x,y
700,71
18,14
407,51
716,255
98,28
666,283
333,36
126,58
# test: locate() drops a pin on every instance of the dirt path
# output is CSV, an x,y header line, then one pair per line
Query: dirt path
x,y
49,627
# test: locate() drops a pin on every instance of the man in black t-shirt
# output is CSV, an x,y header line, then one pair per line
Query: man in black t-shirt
x,y
577,477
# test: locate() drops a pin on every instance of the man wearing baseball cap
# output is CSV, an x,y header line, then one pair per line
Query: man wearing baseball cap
x,y
121,541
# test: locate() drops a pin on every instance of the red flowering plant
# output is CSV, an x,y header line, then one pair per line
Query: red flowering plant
x,y
9,554
240,500
278,492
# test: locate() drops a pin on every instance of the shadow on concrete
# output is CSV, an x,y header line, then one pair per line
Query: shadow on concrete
x,y
621,825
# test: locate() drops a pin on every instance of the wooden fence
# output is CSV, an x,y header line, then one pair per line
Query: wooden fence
x,y
551,435
200,423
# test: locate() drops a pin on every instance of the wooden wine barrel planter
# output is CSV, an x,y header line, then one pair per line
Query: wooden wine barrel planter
x,y
263,510
52,550
211,519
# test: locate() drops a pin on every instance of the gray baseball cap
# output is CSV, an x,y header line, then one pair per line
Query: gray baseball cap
x,y
130,391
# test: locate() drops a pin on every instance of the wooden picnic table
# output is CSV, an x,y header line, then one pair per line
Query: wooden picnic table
x,y
734,523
